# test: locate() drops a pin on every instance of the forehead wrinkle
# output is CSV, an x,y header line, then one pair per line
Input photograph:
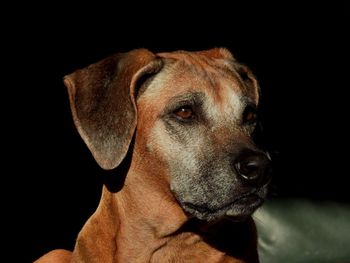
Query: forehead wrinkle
x,y
228,69
202,66
216,70
179,76
203,63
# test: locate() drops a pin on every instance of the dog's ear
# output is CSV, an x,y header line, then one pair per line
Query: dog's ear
x,y
102,100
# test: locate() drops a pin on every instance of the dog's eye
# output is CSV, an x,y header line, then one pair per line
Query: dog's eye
x,y
249,116
184,112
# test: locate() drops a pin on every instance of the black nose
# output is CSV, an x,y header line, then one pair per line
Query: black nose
x,y
253,167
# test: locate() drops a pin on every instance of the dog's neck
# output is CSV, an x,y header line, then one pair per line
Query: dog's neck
x,y
127,228
132,219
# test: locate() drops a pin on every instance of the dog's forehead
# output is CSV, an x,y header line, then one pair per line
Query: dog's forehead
x,y
211,73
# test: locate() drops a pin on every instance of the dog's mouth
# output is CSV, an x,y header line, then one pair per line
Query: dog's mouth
x,y
239,209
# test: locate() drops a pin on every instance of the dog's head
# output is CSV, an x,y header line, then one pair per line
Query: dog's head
x,y
192,114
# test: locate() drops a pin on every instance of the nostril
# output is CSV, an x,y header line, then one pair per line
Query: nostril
x,y
253,167
248,169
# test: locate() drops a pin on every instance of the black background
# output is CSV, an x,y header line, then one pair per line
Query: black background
x,y
297,52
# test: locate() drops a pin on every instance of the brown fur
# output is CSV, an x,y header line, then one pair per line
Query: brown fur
x,y
143,222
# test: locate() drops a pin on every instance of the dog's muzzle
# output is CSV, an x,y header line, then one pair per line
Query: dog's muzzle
x,y
252,168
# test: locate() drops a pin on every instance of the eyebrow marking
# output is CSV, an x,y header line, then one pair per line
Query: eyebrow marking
x,y
195,99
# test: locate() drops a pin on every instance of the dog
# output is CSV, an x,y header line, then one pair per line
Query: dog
x,y
177,129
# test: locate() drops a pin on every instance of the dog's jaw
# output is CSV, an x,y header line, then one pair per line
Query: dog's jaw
x,y
240,208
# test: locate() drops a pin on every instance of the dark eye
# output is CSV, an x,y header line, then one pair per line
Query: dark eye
x,y
249,115
184,112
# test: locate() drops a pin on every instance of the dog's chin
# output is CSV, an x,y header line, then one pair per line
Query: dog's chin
x,y
238,210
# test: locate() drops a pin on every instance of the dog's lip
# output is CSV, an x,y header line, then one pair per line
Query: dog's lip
x,y
250,198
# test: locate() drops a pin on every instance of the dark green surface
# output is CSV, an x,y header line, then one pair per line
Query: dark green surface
x,y
301,231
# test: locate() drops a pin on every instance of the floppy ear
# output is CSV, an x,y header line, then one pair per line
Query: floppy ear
x,y
103,104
